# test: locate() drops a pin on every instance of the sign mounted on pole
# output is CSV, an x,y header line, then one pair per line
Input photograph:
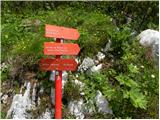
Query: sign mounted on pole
x,y
58,64
52,31
51,48
58,48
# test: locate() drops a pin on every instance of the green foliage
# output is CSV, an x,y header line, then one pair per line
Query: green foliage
x,y
133,69
124,80
3,115
93,83
99,116
119,38
128,84
47,84
137,98
66,114
131,76
3,76
40,109
23,35
93,32
71,91
146,13
4,73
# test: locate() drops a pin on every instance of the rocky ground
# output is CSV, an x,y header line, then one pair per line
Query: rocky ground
x,y
31,101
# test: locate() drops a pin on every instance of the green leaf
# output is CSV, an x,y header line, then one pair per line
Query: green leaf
x,y
133,69
108,92
125,94
125,80
137,98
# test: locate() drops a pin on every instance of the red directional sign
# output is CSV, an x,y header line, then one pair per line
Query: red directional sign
x,y
58,64
51,48
61,32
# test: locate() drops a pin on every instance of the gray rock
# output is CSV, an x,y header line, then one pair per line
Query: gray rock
x,y
34,94
46,115
52,75
96,62
96,68
64,77
41,90
1,94
20,105
77,82
156,54
3,66
53,96
39,100
107,47
64,80
76,108
100,56
129,19
90,107
77,60
4,98
80,84
133,34
86,64
150,38
102,103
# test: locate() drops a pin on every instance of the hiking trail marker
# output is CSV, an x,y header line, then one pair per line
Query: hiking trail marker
x,y
60,49
59,64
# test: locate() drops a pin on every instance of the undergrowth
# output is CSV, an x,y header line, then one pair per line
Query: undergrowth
x,y
130,84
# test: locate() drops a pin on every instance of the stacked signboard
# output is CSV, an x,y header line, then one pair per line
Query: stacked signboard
x,y
58,48
57,63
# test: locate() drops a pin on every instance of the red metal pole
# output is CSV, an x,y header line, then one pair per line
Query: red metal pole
x,y
58,91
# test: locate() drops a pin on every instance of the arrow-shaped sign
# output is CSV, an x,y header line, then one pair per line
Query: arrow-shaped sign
x,y
51,48
53,31
58,64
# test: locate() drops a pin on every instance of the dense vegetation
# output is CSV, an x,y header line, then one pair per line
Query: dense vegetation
x,y
127,81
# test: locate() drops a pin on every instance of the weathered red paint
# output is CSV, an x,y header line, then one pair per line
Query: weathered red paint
x,y
58,64
53,31
58,90
58,96
51,48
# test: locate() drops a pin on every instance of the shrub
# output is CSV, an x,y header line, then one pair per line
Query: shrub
x,y
71,91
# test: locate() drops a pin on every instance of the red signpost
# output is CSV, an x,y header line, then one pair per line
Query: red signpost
x,y
53,31
51,48
58,64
